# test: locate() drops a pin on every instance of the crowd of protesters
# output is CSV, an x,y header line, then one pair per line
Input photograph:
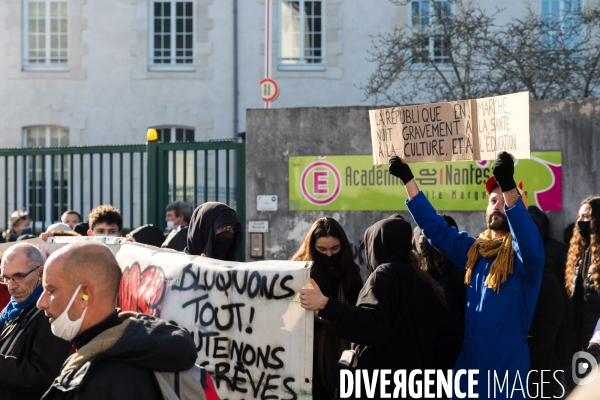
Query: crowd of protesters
x,y
512,299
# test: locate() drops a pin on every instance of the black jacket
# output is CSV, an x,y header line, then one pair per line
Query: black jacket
x,y
452,279
398,321
31,355
551,336
428,336
586,301
556,259
177,239
119,362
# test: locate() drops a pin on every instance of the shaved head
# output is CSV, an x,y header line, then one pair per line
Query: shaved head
x,y
89,263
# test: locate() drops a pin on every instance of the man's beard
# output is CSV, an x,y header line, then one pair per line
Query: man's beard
x,y
500,224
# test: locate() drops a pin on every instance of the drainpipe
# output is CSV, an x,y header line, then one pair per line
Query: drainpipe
x,y
235,70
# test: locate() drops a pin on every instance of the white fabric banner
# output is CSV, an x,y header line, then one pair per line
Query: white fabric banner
x,y
56,242
246,320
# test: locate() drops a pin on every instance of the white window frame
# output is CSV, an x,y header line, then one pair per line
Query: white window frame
x,y
301,65
442,65
172,66
46,182
47,65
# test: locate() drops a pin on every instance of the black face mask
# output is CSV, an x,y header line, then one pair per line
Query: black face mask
x,y
222,242
328,261
584,229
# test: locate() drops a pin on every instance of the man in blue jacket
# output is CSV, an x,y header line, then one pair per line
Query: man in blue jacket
x,y
503,273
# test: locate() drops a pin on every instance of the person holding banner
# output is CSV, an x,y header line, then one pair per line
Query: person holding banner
x,y
117,353
30,355
400,321
503,274
338,276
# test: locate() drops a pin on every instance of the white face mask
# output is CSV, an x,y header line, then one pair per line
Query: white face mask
x,y
170,224
63,327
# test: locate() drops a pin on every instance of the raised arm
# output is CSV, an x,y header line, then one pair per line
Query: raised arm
x,y
446,239
527,242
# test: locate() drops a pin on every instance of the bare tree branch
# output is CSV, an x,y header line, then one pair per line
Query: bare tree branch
x,y
462,54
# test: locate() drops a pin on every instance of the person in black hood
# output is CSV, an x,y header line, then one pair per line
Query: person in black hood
x,y
400,321
214,231
338,276
118,354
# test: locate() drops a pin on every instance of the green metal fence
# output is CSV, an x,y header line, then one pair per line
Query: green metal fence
x,y
140,180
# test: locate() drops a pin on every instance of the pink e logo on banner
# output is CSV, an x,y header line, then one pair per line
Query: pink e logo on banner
x,y
316,183
320,182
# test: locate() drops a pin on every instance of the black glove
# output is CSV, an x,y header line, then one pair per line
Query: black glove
x,y
504,169
400,170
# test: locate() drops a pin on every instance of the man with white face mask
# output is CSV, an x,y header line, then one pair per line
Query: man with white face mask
x,y
30,355
178,214
116,352
178,219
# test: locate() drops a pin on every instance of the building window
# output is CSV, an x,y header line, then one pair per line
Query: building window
x,y
175,134
301,33
171,33
45,42
561,18
46,172
426,25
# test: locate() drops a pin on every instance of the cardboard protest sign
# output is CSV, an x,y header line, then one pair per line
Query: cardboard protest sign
x,y
56,242
246,320
456,131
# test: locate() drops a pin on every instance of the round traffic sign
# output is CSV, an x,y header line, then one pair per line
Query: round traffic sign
x,y
269,89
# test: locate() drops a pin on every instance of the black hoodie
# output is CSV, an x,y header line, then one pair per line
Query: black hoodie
x,y
205,221
119,362
398,323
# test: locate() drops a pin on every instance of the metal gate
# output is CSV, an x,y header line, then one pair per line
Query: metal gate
x,y
139,180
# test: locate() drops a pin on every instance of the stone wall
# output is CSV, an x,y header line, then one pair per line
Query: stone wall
x,y
274,135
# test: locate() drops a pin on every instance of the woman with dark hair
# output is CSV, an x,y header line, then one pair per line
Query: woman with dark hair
x,y
400,321
582,274
338,276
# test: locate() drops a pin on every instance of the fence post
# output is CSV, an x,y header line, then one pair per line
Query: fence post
x,y
152,178
240,194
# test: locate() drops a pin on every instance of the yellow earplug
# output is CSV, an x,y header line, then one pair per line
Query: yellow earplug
x,y
85,297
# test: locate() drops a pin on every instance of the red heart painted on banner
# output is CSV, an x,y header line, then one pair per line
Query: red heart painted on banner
x,y
142,291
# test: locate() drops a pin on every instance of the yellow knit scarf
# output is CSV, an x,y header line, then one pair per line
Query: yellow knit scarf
x,y
501,248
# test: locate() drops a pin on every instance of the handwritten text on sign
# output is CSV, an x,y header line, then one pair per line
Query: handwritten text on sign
x,y
249,328
461,130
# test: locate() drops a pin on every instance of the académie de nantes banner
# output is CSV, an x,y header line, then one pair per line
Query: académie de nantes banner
x,y
354,183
